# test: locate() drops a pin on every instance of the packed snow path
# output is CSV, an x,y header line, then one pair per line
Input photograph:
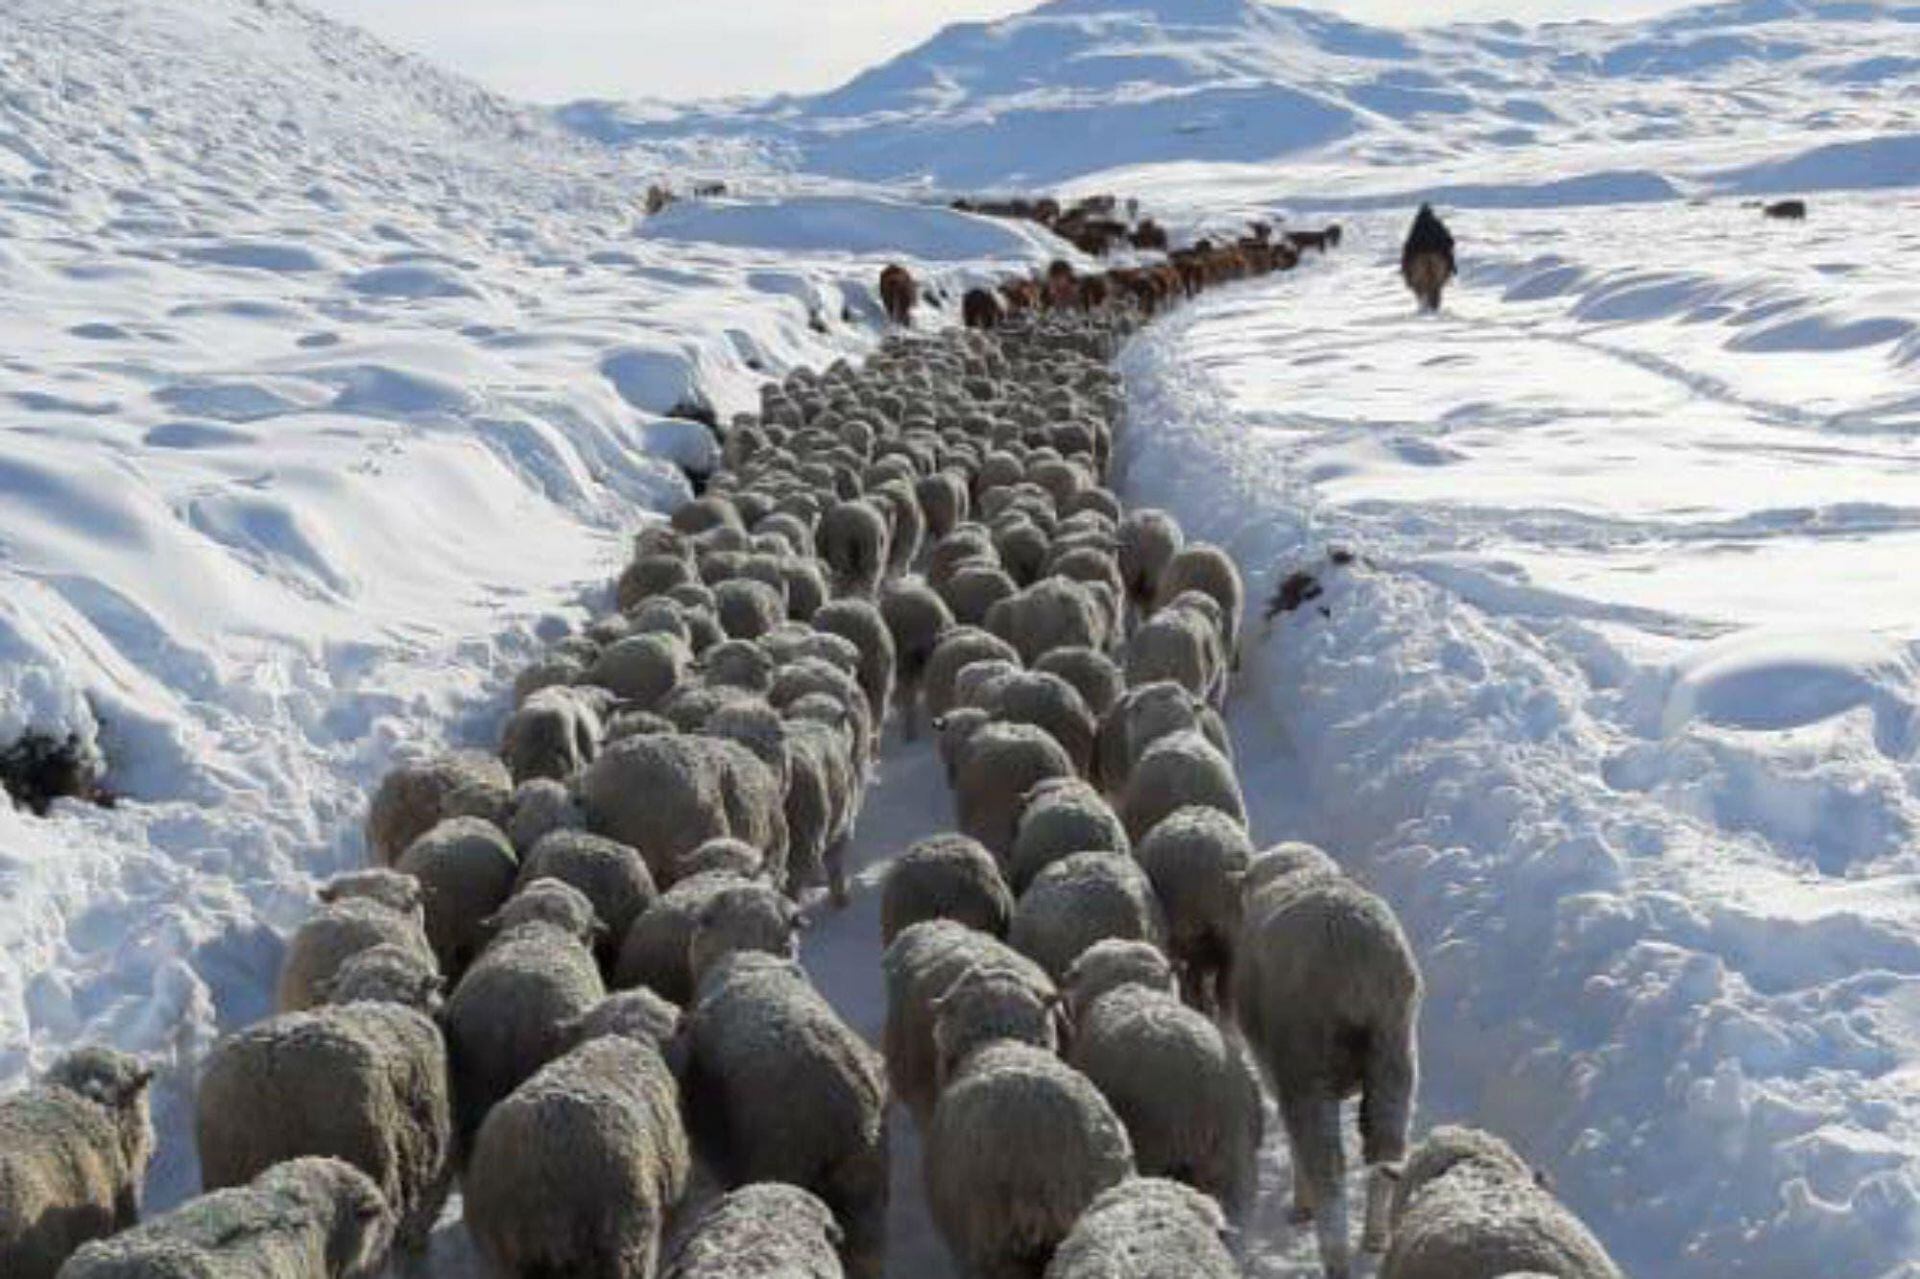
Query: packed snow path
x,y
1615,707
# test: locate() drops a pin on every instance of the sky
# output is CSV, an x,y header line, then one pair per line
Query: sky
x,y
562,50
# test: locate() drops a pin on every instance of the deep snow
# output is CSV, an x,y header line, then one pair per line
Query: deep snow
x,y
335,384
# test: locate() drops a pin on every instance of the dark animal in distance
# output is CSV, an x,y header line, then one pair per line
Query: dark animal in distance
x,y
1322,240
1426,263
981,310
1789,210
898,293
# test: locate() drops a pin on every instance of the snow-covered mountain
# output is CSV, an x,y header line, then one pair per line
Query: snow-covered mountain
x,y
1789,93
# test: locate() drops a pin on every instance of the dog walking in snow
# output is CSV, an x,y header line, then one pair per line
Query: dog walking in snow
x,y
1426,264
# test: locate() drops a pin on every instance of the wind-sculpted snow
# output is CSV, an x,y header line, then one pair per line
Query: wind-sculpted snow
x,y
1617,703
1328,113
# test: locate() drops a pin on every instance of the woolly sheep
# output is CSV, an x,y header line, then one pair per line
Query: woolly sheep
x,y
508,1015
994,770
1018,1147
798,680
1108,965
1198,860
945,877
742,917
861,622
466,870
959,648
613,877
642,669
1179,771
1466,1204
389,974
1187,1093
357,912
704,513
1327,993
553,734
539,808
1147,1228
917,619
854,541
956,728
312,1218
548,901
1143,716
1148,540
577,1171
549,671
1180,645
416,797
749,609
1054,613
923,963
362,1082
1093,674
971,591
1021,545
1061,817
766,1229
1206,568
1047,702
73,1154
988,1007
907,525
965,544
1078,901
943,498
665,796
797,1096
650,575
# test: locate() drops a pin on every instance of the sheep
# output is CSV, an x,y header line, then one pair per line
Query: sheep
x,y
1181,645
539,808
74,1151
649,576
642,669
1019,1145
862,623
766,1229
576,1172
1327,993
742,917
796,681
907,524
389,974
1203,567
855,543
1147,1228
748,608
553,734
507,1017
416,797
1055,613
796,1095
654,952
943,497
922,964
1021,543
665,796
971,591
357,912
1080,900
945,877
981,310
1093,675
1110,964
1198,859
704,514
994,770
363,1082
311,1218
1061,817
825,798
1466,1204
1143,716
917,619
959,648
466,870
1045,701
1188,1095
1179,771
613,877
965,543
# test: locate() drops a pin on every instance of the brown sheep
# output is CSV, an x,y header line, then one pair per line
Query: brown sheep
x,y
898,293
981,310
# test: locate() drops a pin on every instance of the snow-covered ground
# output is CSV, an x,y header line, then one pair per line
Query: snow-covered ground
x,y
332,384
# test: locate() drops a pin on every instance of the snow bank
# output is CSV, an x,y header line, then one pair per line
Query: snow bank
x,y
1655,851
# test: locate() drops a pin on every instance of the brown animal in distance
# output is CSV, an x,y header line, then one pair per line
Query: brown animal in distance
x,y
897,294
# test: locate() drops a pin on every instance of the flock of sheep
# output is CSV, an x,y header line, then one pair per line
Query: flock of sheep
x,y
1086,982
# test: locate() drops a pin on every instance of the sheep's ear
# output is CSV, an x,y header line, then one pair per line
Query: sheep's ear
x,y
327,893
141,1080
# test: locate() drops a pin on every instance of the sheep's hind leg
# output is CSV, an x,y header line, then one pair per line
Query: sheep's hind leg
x,y
1319,1163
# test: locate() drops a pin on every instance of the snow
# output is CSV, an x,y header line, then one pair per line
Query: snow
x,y
335,386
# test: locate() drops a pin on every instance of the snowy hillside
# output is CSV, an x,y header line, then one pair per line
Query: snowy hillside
x,y
330,382
1758,96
